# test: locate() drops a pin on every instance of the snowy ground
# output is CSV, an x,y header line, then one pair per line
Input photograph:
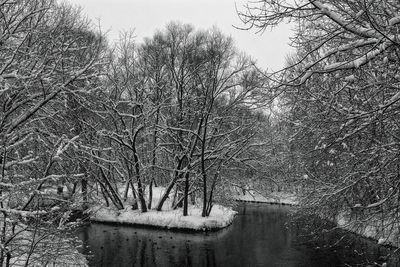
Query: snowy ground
x,y
220,216
282,198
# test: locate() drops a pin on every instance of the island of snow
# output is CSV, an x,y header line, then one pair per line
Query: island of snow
x,y
168,218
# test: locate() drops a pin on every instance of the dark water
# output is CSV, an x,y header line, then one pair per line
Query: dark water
x,y
259,236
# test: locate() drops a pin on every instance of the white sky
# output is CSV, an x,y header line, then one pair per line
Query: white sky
x,y
146,16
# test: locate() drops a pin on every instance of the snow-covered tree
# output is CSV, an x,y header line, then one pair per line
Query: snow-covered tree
x,y
47,50
340,91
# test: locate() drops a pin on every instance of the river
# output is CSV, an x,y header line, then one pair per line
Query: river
x,y
259,236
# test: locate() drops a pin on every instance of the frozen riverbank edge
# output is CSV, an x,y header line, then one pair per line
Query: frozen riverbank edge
x,y
219,218
369,231
274,198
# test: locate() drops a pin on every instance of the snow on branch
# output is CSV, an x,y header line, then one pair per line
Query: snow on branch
x,y
30,182
356,63
64,146
24,213
395,20
20,162
19,142
358,30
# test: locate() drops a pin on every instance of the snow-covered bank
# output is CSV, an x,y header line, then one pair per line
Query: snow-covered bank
x,y
168,218
384,232
281,198
220,217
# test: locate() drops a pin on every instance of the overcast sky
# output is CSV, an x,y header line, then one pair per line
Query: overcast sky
x,y
146,16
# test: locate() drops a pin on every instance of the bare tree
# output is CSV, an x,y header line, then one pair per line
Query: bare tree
x,y
202,78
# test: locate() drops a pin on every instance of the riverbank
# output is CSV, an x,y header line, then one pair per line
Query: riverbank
x,y
373,228
381,231
277,198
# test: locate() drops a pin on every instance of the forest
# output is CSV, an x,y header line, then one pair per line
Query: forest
x,y
86,121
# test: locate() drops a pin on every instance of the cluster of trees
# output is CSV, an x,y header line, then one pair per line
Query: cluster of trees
x,y
181,111
79,117
340,102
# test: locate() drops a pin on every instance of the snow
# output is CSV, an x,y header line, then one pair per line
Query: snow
x,y
23,213
372,228
282,198
169,218
381,241
220,217
306,76
394,20
64,146
350,78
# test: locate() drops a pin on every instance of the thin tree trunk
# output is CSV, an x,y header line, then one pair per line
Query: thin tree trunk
x,y
8,258
209,206
185,195
139,183
150,194
103,193
170,185
175,195
204,212
154,160
137,171
84,185
203,169
3,236
165,195
107,194
115,195
126,190
73,191
134,195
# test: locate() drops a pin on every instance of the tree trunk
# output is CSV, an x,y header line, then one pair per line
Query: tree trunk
x,y
137,171
84,184
126,190
142,201
150,194
134,195
165,195
204,212
154,160
3,234
203,169
115,195
186,193
209,206
104,194
170,185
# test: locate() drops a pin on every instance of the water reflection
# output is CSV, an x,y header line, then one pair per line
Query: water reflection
x,y
259,236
